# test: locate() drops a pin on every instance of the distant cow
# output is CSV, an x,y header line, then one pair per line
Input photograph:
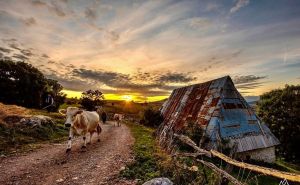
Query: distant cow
x,y
118,118
81,122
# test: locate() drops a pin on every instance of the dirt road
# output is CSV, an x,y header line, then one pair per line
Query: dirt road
x,y
100,164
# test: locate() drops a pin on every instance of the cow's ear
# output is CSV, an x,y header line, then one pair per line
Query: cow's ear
x,y
62,111
79,111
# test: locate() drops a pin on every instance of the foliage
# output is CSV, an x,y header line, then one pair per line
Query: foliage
x,y
91,98
22,84
151,162
151,118
280,110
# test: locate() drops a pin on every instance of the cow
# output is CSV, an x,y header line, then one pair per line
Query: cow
x,y
118,118
81,122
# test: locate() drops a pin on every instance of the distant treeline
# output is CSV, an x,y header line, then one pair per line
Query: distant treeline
x,y
22,84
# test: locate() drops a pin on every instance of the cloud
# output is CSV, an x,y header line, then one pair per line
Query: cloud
x,y
14,46
140,82
90,13
248,81
26,52
55,8
175,78
20,56
52,7
29,21
5,50
198,22
38,3
45,56
106,77
238,5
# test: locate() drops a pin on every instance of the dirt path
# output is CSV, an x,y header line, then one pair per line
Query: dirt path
x,y
100,164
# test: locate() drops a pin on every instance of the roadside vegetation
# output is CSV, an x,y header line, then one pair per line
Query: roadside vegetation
x,y
17,137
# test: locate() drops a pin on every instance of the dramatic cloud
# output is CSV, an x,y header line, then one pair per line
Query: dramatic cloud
x,y
151,47
175,78
238,5
134,83
248,81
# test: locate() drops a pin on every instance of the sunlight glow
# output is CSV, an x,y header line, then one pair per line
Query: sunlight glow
x,y
127,98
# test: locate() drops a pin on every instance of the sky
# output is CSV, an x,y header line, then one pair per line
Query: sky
x,y
142,50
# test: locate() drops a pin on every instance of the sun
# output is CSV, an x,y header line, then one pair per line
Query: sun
x,y
127,97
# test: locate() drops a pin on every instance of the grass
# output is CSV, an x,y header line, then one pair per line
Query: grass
x,y
152,162
145,166
22,138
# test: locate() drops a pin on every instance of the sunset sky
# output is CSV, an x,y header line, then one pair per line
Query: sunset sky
x,y
145,49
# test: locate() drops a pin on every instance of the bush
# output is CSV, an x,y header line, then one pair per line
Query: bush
x,y
280,110
152,118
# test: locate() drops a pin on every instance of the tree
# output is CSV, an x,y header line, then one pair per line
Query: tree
x,y
91,98
280,110
25,85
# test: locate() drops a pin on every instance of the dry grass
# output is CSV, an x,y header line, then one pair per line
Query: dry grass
x,y
10,114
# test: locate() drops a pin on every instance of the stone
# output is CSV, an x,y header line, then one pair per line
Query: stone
x,y
159,181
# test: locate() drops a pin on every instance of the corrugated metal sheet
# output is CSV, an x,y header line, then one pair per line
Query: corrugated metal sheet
x,y
220,110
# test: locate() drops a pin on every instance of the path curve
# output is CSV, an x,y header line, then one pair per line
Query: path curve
x,y
50,165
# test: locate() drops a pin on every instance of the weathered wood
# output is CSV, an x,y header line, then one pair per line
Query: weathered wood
x,y
267,171
219,171
191,143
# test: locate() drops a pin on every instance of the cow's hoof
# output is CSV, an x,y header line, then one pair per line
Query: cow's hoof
x,y
98,140
68,150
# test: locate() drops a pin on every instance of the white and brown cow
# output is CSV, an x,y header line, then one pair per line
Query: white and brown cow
x,y
118,118
81,123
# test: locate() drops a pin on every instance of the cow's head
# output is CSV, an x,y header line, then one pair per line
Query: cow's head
x,y
70,114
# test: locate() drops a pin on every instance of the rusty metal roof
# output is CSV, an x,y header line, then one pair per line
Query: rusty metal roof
x,y
220,110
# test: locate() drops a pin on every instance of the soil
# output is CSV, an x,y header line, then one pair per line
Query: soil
x,y
99,164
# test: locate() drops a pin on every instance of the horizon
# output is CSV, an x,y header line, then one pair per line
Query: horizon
x,y
142,50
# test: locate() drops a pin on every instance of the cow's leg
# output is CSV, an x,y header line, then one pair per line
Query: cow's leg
x,y
91,135
84,141
69,140
98,132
